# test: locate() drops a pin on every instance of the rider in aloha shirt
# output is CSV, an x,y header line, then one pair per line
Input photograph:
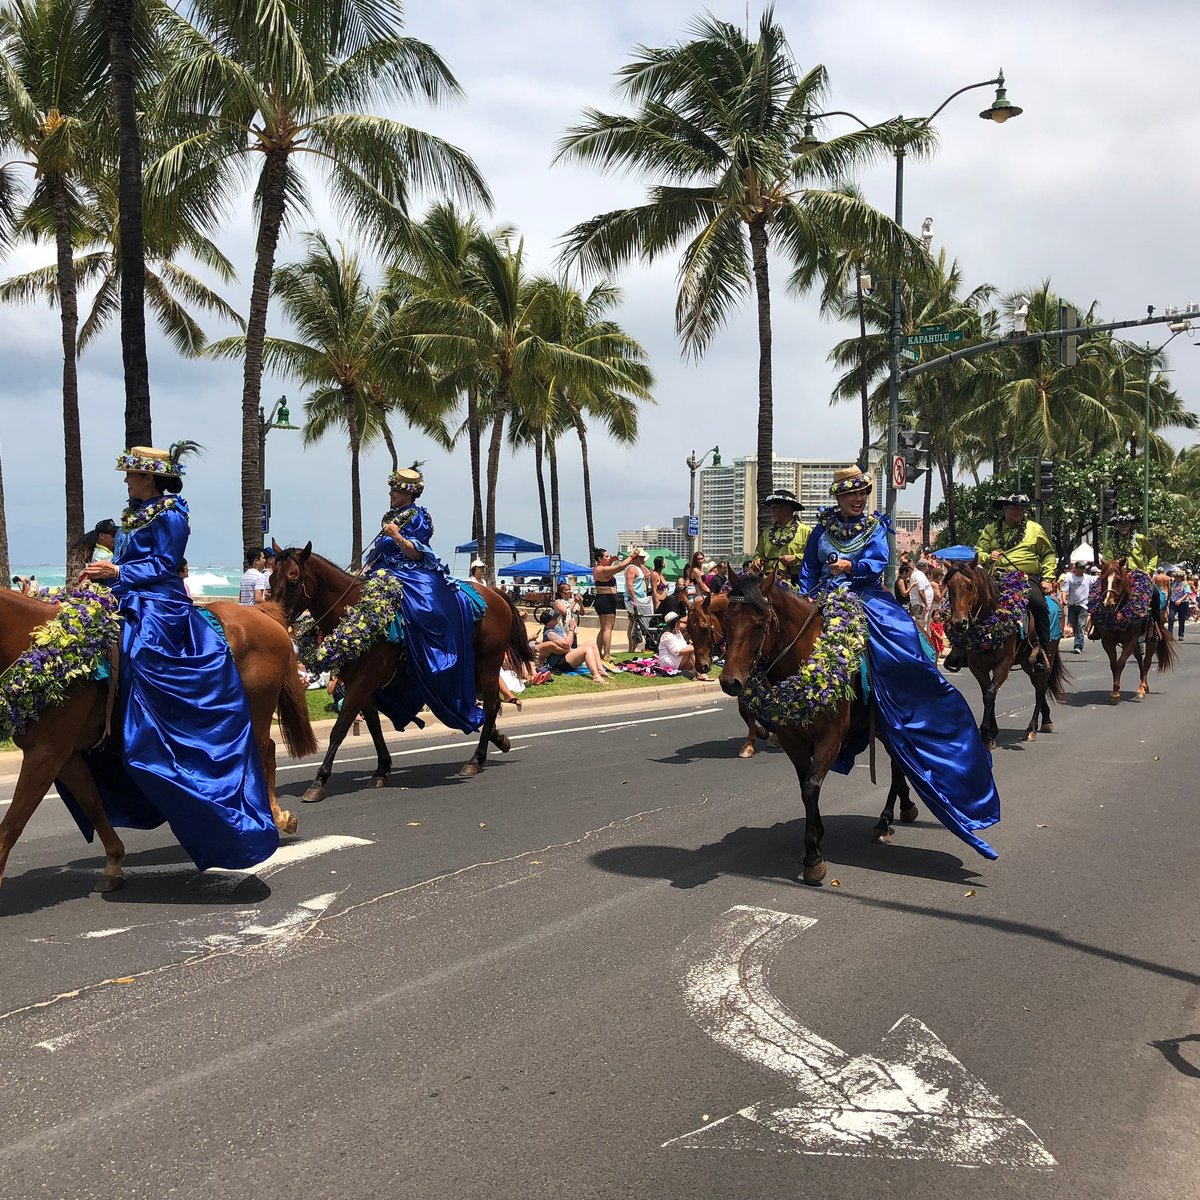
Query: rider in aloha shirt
x,y
1137,552
782,543
1015,543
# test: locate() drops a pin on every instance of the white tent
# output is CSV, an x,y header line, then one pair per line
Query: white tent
x,y
1082,553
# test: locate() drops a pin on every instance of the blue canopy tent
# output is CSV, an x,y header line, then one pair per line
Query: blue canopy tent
x,y
955,553
506,543
541,566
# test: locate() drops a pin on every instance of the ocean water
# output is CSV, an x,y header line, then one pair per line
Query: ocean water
x,y
204,581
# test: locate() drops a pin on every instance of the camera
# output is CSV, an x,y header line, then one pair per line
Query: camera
x,y
830,558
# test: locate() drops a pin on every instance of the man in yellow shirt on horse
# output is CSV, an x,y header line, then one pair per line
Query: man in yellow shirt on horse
x,y
782,543
1015,543
1137,552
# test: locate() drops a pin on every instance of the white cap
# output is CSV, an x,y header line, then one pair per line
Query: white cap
x,y
478,563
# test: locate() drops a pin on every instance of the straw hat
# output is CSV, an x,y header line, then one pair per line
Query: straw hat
x,y
146,460
407,479
850,479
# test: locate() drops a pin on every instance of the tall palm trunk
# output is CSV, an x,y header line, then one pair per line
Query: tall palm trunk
x,y
5,565
581,429
390,442
69,318
474,437
865,453
927,507
273,202
766,401
122,70
539,475
555,522
350,400
495,444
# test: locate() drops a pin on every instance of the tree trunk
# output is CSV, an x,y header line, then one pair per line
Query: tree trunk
x,y
390,442
474,437
5,565
581,429
543,507
555,522
766,410
864,454
350,400
122,71
69,318
495,444
273,202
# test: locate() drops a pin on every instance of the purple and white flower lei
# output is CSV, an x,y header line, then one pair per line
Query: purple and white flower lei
x,y
829,675
363,623
1005,619
1135,610
65,650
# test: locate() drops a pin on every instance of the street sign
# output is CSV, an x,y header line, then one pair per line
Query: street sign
x,y
693,526
555,563
265,522
932,329
910,356
933,339
899,471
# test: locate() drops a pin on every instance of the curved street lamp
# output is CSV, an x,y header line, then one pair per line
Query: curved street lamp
x,y
1000,110
280,418
694,464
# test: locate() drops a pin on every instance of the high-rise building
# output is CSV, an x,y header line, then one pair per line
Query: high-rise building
x,y
657,537
728,499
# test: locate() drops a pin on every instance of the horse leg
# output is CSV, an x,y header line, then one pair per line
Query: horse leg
x,y
285,819
316,790
748,747
76,775
897,790
1117,667
1145,657
383,763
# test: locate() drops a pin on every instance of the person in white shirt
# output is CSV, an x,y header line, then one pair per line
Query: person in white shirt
x,y
1076,588
920,596
253,589
674,650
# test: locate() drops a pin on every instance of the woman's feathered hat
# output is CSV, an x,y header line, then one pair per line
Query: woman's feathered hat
x,y
850,479
146,460
408,478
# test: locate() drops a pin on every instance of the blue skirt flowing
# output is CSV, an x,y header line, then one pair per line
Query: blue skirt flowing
x,y
926,724
186,752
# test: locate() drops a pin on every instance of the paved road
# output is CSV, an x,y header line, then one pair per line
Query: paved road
x,y
570,976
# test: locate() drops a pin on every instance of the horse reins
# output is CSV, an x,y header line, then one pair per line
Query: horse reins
x,y
773,616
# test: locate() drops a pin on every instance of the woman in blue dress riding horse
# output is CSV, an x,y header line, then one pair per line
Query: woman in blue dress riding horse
x,y
438,616
185,753
925,723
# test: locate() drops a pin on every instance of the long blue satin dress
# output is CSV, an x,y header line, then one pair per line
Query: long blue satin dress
x,y
925,723
439,632
186,753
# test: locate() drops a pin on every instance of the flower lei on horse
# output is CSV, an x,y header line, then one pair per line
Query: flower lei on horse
x,y
66,650
1135,610
827,678
997,627
363,623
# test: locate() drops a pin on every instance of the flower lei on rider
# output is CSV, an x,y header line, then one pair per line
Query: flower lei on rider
x,y
784,535
1004,620
1132,612
363,623
65,650
829,675
847,536
134,517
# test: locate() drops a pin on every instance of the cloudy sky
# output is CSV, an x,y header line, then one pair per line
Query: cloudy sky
x,y
1094,187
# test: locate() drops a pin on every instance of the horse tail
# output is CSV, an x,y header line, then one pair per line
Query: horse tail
x,y
1056,685
518,639
294,721
1167,654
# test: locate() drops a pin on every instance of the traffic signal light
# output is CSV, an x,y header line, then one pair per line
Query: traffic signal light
x,y
1045,481
1068,347
1108,505
913,445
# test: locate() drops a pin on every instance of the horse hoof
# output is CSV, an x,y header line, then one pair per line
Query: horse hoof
x,y
814,875
909,813
1048,728
379,781
287,822
108,883
1031,735
314,795
882,835
468,770
747,751
502,743
990,743
1115,698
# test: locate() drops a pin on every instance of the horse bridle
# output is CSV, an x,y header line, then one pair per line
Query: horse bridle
x,y
959,569
345,591
772,618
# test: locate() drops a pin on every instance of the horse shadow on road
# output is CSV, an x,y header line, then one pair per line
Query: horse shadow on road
x,y
774,854
405,775
722,747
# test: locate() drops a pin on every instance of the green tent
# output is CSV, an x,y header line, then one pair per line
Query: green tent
x,y
673,565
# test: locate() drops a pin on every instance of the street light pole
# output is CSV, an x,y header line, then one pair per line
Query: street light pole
x,y
1176,328
279,419
694,464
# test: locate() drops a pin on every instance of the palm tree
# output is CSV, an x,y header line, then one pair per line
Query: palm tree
x,y
341,350
281,79
719,123
51,78
170,288
5,566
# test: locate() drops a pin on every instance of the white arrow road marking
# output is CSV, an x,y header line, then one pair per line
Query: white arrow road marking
x,y
912,1099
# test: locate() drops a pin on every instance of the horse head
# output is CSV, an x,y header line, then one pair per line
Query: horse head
x,y
289,585
748,622
704,628
970,594
1114,579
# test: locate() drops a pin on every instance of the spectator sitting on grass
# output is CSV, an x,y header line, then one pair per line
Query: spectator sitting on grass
x,y
674,650
556,651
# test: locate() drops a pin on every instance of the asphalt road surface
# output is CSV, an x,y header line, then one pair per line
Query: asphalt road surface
x,y
590,972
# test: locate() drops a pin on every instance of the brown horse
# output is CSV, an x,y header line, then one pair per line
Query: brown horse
x,y
705,633
53,745
972,596
772,631
305,582
1143,639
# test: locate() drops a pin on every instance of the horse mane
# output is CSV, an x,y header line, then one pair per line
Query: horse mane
x,y
748,587
982,580
293,552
